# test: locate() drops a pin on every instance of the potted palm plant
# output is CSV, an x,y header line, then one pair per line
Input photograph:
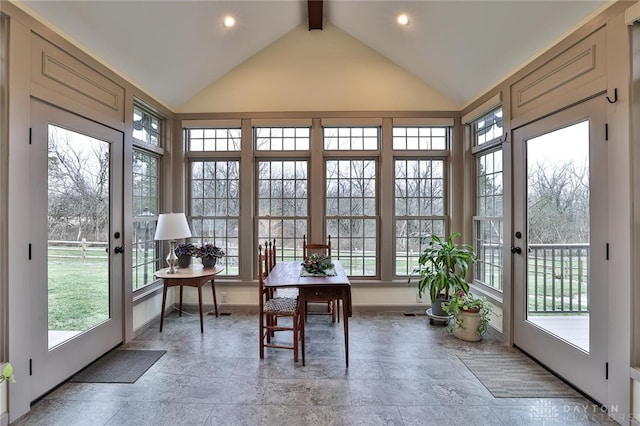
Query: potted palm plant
x,y
442,271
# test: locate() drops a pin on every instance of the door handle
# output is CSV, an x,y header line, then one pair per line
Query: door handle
x,y
516,250
119,249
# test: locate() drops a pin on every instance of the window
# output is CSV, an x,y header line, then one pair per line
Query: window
x,y
488,219
351,138
215,207
333,189
282,138
214,189
419,208
351,198
218,140
419,197
146,127
146,201
488,127
351,214
420,138
283,187
282,205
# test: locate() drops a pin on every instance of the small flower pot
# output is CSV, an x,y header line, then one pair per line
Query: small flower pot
x,y
209,262
184,260
468,330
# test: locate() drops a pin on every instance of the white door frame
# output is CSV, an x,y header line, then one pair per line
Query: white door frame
x,y
50,367
585,370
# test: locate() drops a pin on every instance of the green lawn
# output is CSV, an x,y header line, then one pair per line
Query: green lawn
x,y
78,291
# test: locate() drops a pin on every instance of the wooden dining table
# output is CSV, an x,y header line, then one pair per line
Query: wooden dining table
x,y
312,289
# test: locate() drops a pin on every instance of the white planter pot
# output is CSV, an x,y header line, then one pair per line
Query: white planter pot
x,y
468,329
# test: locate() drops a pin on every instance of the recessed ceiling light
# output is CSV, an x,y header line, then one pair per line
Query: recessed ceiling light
x,y
403,19
229,21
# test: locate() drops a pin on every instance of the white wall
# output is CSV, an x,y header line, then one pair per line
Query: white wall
x,y
318,71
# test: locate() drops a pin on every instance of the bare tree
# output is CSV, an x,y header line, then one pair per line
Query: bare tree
x,y
78,188
558,203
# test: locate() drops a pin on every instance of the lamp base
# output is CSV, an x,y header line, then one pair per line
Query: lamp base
x,y
172,259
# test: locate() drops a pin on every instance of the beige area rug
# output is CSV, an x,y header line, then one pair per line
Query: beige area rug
x,y
516,376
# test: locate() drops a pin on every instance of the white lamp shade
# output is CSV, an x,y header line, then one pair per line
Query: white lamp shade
x,y
172,226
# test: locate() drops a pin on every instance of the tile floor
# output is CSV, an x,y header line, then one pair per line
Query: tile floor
x,y
402,371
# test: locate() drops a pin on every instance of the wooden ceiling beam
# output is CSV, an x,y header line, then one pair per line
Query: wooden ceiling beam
x,y
316,12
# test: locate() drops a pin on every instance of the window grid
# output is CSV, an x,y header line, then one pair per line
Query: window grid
x,y
282,205
418,210
214,208
488,241
146,126
420,138
352,211
488,127
214,140
282,138
146,204
351,138
488,238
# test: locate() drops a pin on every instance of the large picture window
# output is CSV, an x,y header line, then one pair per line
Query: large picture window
x,y
488,237
305,181
147,135
351,214
282,205
419,208
215,208
146,202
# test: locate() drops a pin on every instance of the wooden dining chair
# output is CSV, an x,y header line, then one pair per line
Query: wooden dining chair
x,y
272,255
272,308
307,250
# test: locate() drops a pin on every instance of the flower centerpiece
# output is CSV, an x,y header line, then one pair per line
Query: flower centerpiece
x,y
317,263
185,251
470,315
209,254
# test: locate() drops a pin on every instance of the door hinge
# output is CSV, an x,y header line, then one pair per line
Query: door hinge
x,y
606,132
606,371
29,251
30,134
30,366
607,251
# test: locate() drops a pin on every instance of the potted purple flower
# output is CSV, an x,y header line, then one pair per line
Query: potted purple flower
x,y
209,255
185,251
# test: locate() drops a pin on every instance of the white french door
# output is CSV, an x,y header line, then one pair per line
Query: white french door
x,y
76,243
560,244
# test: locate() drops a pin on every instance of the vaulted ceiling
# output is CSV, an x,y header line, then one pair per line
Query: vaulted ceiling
x,y
174,49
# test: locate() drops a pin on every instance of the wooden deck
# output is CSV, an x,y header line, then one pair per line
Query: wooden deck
x,y
572,328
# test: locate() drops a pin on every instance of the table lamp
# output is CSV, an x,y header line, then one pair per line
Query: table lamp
x,y
172,226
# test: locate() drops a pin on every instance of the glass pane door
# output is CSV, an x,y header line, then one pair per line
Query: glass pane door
x,y
78,233
558,233
559,244
76,243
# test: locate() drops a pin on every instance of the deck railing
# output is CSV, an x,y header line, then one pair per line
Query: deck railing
x,y
558,278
